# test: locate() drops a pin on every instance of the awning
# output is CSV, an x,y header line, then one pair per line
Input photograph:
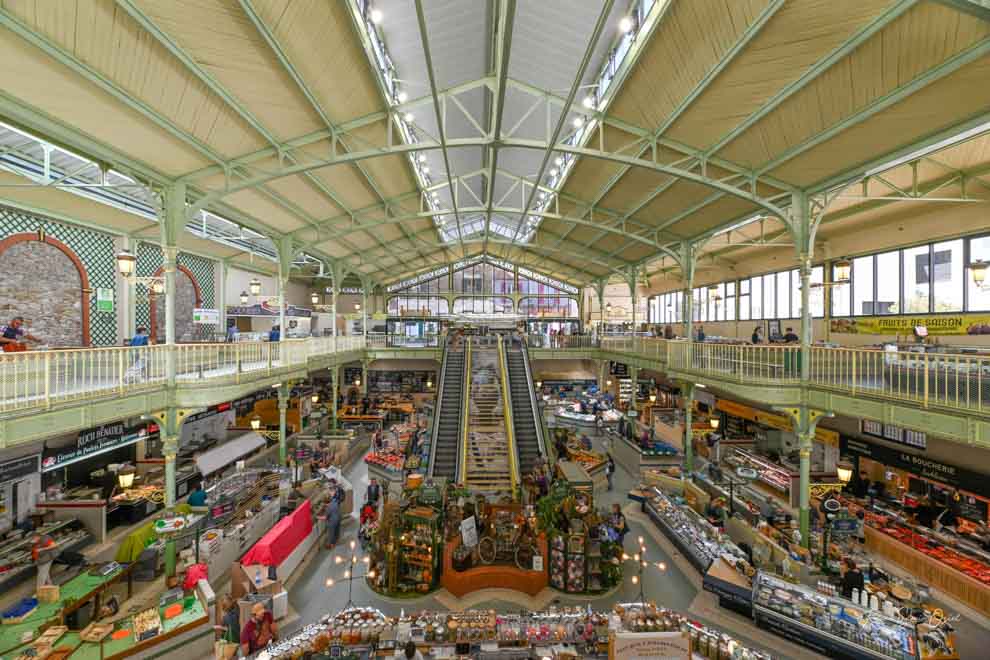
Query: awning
x,y
223,455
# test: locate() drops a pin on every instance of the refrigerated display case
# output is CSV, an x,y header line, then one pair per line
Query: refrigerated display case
x,y
833,626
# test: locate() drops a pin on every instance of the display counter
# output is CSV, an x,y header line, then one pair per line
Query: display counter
x,y
178,628
926,558
699,542
634,459
734,589
16,564
830,625
629,630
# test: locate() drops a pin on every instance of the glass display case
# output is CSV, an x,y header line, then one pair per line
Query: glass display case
x,y
694,536
775,476
831,625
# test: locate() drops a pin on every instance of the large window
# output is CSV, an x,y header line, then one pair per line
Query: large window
x,y
730,301
917,279
947,276
549,306
841,297
862,275
979,296
417,306
756,298
483,305
888,283
744,307
784,295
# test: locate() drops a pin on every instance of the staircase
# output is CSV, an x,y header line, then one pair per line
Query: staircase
x,y
487,467
528,434
450,401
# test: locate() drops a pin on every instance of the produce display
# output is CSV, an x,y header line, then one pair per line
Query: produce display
x,y
388,461
820,620
147,624
589,460
355,629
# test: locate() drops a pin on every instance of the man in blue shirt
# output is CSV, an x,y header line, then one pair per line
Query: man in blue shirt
x,y
140,337
275,333
13,335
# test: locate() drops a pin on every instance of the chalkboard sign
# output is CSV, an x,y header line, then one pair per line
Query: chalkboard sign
x,y
619,369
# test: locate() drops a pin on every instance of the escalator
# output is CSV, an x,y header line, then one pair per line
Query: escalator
x,y
448,415
528,429
488,464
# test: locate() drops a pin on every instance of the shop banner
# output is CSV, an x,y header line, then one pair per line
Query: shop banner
x,y
941,324
206,316
779,422
921,466
469,532
19,468
97,441
650,646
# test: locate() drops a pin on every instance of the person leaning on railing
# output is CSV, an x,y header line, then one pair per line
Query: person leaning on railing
x,y
13,336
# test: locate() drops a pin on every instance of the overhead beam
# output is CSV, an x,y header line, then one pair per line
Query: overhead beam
x,y
505,25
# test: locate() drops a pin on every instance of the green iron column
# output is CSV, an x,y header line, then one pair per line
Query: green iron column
x,y
173,220
170,423
804,500
335,371
364,377
283,406
631,281
687,305
634,374
688,394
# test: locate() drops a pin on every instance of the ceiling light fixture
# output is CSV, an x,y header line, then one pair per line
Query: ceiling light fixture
x,y
402,97
578,122
559,161
421,158
978,269
408,117
626,24
376,16
589,102
554,171
426,169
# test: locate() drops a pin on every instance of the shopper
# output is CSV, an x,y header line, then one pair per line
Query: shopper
x,y
790,337
861,527
408,652
140,337
229,628
757,337
852,578
700,335
374,492
668,332
197,498
13,336
333,520
43,552
275,333
259,631
609,470
617,521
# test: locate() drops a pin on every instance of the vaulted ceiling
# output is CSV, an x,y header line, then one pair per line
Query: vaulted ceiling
x,y
492,130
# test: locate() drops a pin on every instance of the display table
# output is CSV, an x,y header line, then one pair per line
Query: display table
x,y
234,539
494,576
734,590
931,571
285,544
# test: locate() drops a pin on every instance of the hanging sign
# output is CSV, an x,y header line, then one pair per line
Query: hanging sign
x,y
104,299
921,466
650,646
893,433
941,324
19,468
98,440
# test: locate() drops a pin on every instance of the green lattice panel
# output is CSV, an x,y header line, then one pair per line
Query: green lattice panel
x,y
96,252
149,260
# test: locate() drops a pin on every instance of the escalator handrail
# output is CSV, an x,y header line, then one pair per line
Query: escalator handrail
x,y
434,438
465,418
510,429
530,387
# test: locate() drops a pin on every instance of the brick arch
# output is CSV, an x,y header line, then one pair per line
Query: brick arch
x,y
84,289
153,312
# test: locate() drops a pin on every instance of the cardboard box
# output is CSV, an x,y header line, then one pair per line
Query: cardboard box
x,y
49,593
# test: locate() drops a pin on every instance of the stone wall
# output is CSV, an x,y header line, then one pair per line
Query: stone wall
x,y
185,301
42,284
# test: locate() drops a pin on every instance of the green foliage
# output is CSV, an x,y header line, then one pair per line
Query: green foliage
x,y
548,507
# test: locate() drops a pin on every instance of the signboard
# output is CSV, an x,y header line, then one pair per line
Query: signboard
x,y
940,324
267,310
921,466
206,316
98,440
779,422
104,299
19,468
469,532
893,433
650,646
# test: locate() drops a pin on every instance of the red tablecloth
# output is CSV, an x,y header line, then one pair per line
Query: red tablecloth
x,y
282,539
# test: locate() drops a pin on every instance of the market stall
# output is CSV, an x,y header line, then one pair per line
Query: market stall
x,y
16,563
631,630
636,457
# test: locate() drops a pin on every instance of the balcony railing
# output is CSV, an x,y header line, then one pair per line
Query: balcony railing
x,y
40,379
